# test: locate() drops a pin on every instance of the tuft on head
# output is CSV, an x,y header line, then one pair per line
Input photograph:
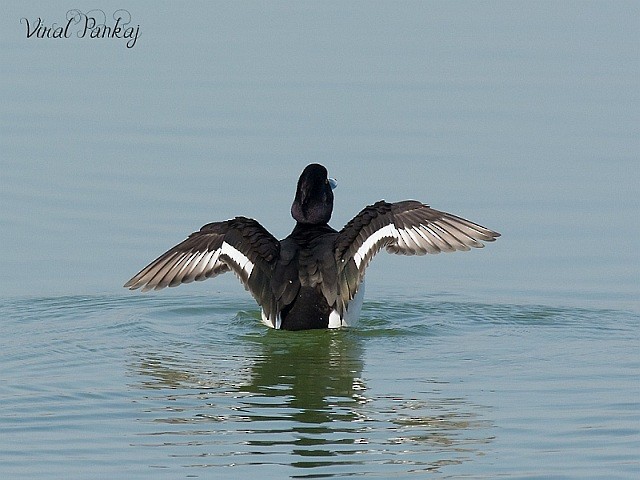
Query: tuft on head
x,y
313,203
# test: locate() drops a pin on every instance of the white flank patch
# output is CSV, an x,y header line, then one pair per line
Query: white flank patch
x,y
352,314
334,319
387,231
237,256
266,320
269,323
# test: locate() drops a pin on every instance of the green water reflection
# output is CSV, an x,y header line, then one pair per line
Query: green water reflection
x,y
300,400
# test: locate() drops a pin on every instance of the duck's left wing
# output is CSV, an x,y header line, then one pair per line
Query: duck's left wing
x,y
408,228
241,245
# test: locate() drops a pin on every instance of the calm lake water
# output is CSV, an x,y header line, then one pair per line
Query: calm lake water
x,y
182,387
519,361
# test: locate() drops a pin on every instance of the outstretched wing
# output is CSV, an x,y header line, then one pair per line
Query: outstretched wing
x,y
241,245
408,228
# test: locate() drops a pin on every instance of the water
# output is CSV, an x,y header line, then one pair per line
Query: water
x,y
517,361
133,387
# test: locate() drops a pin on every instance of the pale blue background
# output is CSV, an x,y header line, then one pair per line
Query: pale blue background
x,y
517,361
521,116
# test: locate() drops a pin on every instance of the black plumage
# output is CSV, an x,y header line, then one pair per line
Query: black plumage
x,y
309,279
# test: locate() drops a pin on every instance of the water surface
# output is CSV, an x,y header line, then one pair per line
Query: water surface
x,y
183,387
516,361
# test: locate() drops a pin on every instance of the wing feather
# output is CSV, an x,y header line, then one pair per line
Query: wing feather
x,y
241,245
406,228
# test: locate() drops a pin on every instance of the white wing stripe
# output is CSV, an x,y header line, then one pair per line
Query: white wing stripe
x,y
237,256
386,231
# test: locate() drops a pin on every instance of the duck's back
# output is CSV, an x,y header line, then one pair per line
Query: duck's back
x,y
305,277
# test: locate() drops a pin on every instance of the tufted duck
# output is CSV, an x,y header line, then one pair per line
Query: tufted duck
x,y
314,277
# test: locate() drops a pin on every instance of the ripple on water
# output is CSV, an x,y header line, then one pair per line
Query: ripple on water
x,y
183,384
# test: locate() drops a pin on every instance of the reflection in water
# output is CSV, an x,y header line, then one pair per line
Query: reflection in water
x,y
299,401
314,372
315,378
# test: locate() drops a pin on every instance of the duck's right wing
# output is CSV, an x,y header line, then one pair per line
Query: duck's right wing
x,y
408,228
241,245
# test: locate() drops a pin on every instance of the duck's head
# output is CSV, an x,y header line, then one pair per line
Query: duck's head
x,y
314,197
